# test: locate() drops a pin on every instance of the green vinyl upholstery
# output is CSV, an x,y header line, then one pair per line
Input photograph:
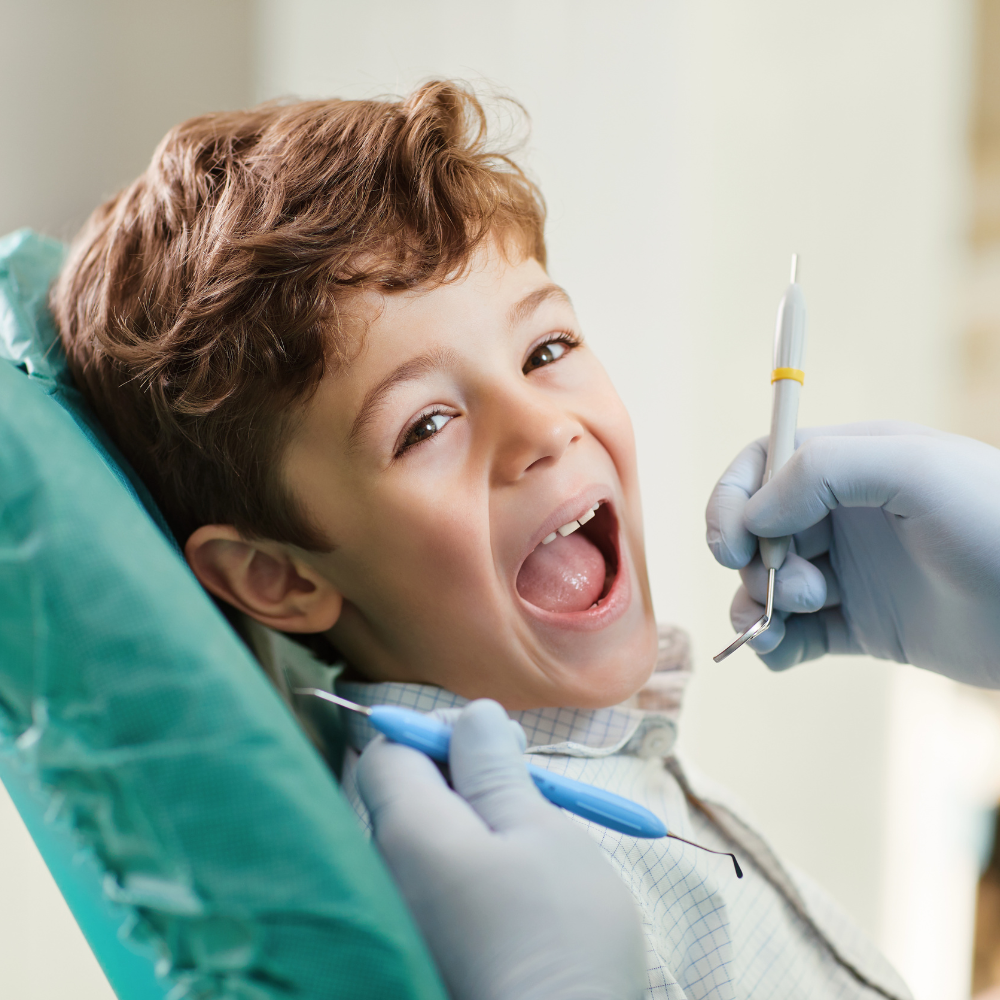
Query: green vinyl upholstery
x,y
200,841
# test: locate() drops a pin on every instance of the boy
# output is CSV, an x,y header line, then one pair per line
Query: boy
x,y
324,335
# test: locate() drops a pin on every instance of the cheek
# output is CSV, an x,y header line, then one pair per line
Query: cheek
x,y
612,426
622,437
414,553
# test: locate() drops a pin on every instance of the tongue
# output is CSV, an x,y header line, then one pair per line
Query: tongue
x,y
565,575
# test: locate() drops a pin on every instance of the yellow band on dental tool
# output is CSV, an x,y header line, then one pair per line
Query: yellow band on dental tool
x,y
793,373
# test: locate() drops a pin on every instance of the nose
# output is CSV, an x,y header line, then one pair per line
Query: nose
x,y
532,432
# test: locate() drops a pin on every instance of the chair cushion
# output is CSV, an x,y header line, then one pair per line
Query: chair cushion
x,y
137,732
28,338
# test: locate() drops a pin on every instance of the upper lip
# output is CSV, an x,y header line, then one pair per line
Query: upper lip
x,y
570,510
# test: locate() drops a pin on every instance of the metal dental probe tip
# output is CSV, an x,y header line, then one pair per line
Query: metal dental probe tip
x,y
761,625
335,698
786,378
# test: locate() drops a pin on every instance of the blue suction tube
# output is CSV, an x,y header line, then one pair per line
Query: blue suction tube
x,y
433,737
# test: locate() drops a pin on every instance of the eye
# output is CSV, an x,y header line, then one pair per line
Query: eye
x,y
424,427
551,350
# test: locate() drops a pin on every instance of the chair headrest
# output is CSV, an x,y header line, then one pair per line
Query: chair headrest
x,y
145,729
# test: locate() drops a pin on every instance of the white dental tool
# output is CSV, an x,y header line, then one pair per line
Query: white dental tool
x,y
787,378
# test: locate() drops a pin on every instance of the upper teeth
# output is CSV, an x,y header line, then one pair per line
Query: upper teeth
x,y
571,526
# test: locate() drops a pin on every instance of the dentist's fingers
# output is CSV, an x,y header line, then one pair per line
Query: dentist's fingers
x,y
805,639
402,789
814,541
793,639
805,642
732,539
824,473
808,637
873,468
799,586
519,735
822,563
744,611
727,535
488,768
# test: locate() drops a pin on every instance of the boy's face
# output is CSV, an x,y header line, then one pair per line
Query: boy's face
x,y
470,427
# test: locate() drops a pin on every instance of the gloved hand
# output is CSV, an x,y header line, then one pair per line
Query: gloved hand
x,y
896,549
514,899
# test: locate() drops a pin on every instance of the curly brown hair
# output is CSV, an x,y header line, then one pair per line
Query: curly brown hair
x,y
201,306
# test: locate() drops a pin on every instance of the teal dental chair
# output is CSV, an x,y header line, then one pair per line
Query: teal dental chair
x,y
200,841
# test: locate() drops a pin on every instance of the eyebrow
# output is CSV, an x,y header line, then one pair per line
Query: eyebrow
x,y
420,365
522,309
406,372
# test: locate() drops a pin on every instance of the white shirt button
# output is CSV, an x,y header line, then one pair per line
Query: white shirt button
x,y
657,742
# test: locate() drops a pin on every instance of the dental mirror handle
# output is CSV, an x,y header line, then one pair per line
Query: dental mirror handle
x,y
786,379
433,737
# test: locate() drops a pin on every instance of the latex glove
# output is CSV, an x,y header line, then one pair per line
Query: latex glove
x,y
514,899
896,549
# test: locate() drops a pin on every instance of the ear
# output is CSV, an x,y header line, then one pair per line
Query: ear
x,y
267,580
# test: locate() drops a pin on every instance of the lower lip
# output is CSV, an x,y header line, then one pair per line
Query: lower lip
x,y
610,609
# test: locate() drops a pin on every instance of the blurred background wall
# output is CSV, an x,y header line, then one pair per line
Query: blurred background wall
x,y
686,148
90,88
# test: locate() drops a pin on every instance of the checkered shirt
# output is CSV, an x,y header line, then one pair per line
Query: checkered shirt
x,y
773,934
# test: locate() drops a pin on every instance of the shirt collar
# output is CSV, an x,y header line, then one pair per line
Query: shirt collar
x,y
646,725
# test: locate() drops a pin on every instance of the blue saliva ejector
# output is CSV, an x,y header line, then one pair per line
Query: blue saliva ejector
x,y
433,738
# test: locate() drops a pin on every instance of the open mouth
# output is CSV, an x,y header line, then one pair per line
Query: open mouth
x,y
574,568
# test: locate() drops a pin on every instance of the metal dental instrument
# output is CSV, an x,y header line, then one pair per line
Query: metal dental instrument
x,y
433,737
787,378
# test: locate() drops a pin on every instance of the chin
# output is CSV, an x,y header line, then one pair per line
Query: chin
x,y
611,683
592,678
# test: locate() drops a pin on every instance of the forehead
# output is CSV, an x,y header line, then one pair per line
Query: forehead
x,y
417,327
400,337
492,291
